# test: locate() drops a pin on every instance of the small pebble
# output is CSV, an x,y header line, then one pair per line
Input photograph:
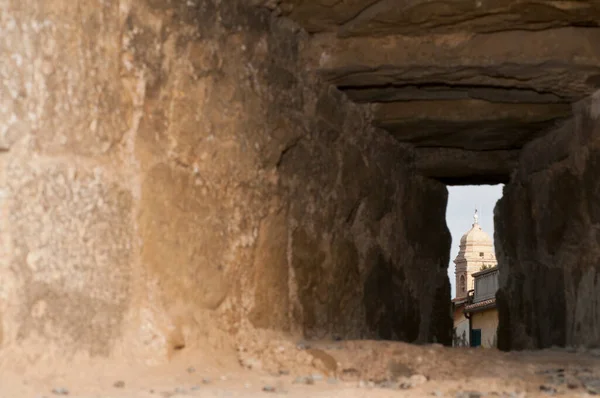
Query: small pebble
x,y
416,380
468,394
547,389
592,386
180,390
269,389
595,352
119,384
304,380
60,391
388,384
303,345
205,380
191,369
252,363
195,388
405,385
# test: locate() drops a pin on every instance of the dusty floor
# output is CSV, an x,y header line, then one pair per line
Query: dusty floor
x,y
326,369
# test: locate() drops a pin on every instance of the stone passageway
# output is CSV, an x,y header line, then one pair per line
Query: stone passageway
x,y
184,177
489,92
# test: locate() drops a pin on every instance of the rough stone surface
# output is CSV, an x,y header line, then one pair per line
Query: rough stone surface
x,y
70,245
173,175
553,198
468,124
457,166
365,370
345,244
377,17
461,89
191,174
562,62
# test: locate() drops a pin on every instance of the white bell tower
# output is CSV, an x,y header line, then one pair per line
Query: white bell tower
x,y
476,251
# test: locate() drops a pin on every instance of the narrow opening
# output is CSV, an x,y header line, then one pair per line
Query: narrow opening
x,y
473,271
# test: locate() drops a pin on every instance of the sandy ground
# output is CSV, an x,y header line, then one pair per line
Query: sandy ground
x,y
324,369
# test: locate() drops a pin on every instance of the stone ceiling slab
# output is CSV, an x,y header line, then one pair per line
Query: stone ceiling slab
x,y
461,167
563,63
469,124
467,82
434,91
416,17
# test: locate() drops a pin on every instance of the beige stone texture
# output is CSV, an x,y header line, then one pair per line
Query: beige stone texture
x,y
174,177
183,176
67,265
67,208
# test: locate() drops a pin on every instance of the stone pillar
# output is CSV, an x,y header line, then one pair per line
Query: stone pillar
x,y
68,185
172,176
548,238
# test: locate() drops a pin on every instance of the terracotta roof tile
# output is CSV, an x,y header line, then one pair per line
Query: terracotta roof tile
x,y
481,305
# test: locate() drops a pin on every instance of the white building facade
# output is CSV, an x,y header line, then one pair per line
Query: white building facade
x,y
476,253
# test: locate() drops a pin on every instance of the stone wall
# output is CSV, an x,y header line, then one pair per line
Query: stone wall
x,y
172,176
548,239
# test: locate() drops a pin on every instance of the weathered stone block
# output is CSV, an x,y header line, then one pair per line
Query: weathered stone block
x,y
63,77
177,162
67,279
184,239
546,240
271,275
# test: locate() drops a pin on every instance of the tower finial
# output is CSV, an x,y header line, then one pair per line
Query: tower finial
x,y
476,217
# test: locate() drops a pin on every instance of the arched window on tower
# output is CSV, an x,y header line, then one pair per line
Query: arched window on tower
x,y
462,284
